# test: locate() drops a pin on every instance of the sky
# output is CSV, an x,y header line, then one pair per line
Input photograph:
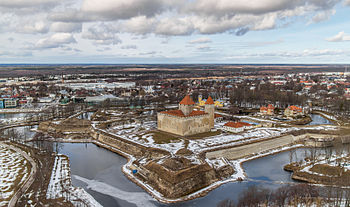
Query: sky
x,y
175,31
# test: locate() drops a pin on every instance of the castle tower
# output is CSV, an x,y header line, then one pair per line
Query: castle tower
x,y
186,105
210,109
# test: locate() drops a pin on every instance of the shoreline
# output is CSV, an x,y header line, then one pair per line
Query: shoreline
x,y
239,176
202,192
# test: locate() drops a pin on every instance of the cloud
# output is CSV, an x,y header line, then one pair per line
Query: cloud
x,y
174,27
250,45
185,17
151,53
322,16
33,28
66,27
102,35
322,52
347,2
128,47
26,3
105,10
55,41
340,37
203,47
312,55
200,40
139,25
15,54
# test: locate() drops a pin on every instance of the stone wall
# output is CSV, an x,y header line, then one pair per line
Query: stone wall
x,y
82,127
175,184
127,146
210,109
121,145
184,126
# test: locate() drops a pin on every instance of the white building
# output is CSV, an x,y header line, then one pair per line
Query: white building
x,y
237,127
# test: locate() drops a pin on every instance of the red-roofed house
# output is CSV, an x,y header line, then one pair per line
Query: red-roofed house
x,y
269,110
293,111
185,120
218,118
237,126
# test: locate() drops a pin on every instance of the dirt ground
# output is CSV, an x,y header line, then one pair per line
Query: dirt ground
x,y
36,194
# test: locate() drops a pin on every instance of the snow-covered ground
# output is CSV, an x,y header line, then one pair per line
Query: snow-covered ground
x,y
13,172
138,133
260,133
333,161
60,185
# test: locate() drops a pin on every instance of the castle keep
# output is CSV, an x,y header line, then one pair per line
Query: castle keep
x,y
187,121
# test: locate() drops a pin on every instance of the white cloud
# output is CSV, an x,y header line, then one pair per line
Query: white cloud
x,y
101,34
310,54
200,40
66,27
229,7
33,28
128,47
138,25
347,2
203,47
125,9
15,54
322,16
55,41
322,52
26,3
340,37
184,17
174,26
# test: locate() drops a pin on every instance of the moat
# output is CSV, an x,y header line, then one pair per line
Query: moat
x,y
93,167
98,164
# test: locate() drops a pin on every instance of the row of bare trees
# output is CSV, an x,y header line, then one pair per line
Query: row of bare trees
x,y
292,195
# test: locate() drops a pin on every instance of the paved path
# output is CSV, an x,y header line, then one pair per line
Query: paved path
x,y
28,182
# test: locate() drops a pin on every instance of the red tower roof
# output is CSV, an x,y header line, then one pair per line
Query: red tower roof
x,y
181,114
187,101
209,101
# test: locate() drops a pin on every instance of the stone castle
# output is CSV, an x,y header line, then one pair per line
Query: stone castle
x,y
186,121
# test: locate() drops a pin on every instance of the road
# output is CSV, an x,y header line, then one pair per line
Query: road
x,y
28,182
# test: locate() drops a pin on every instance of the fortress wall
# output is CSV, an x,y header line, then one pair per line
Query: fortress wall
x,y
259,147
121,145
183,126
175,184
196,125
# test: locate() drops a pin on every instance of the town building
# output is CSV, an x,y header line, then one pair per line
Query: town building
x,y
293,111
217,103
237,127
186,121
269,110
10,103
218,118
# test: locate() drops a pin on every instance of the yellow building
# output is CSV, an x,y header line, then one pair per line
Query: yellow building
x,y
217,103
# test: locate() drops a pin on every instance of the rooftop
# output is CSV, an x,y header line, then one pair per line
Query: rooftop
x,y
187,101
237,124
294,108
180,114
209,101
